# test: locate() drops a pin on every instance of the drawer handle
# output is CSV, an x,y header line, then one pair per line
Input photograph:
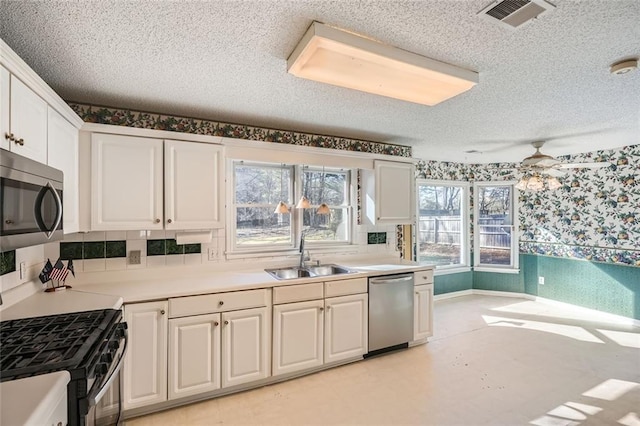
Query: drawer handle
x,y
20,142
424,277
226,323
9,136
221,303
216,323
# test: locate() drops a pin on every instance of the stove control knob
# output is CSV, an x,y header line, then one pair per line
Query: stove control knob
x,y
101,369
114,344
108,358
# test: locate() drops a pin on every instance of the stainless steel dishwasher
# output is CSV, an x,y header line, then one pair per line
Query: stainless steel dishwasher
x,y
390,312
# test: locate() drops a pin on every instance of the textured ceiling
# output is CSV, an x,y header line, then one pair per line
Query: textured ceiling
x,y
226,61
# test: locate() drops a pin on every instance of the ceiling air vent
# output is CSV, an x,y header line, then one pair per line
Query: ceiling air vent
x,y
513,13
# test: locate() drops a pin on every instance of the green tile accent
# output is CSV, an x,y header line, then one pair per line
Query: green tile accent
x,y
452,282
71,251
94,250
382,238
173,247
192,248
7,262
156,248
116,249
372,238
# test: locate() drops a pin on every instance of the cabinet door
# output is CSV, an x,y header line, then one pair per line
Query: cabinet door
x,y
194,355
423,312
126,183
346,326
5,106
63,155
28,122
297,336
193,182
145,366
245,346
395,193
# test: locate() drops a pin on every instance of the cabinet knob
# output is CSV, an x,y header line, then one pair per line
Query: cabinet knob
x,y
8,222
9,136
221,303
424,277
156,221
226,323
321,309
169,221
417,293
216,323
19,142
162,312
328,307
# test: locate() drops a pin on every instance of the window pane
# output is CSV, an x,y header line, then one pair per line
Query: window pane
x,y
329,187
262,185
494,224
326,227
440,232
259,225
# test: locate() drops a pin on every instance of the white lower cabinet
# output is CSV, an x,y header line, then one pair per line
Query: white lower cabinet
x,y
245,346
145,366
346,325
194,355
423,312
298,336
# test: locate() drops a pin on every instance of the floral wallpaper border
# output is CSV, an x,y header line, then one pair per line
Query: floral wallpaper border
x,y
147,120
594,216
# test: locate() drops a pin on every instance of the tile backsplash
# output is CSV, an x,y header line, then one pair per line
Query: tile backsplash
x,y
7,262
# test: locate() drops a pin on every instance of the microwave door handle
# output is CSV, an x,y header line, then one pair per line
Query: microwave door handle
x,y
38,209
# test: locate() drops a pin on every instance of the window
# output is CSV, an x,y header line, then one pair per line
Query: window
x,y
259,187
332,188
495,239
258,190
443,219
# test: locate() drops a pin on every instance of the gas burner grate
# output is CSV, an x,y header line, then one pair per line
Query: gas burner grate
x,y
41,345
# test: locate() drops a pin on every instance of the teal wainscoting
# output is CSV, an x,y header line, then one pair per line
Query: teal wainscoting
x,y
452,282
603,286
498,282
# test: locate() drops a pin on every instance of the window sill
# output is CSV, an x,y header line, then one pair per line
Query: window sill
x,y
452,270
496,270
293,253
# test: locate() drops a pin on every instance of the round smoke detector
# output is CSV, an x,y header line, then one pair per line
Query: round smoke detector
x,y
624,67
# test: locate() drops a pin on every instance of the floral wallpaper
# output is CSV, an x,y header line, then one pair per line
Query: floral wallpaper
x,y
146,120
595,215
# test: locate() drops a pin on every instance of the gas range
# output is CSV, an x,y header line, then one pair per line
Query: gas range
x,y
89,345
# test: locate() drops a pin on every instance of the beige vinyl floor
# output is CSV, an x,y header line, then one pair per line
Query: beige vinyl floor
x,y
492,361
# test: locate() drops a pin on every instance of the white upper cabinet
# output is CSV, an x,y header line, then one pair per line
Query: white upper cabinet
x,y
389,193
27,133
5,106
193,177
126,183
63,155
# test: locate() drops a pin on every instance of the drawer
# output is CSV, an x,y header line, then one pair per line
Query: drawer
x,y
297,293
423,277
344,287
219,302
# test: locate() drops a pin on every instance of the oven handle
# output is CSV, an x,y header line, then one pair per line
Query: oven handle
x,y
93,400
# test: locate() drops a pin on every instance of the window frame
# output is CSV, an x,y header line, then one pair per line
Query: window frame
x,y
513,267
465,213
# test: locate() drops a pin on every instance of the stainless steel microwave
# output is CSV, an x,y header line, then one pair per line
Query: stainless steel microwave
x,y
30,202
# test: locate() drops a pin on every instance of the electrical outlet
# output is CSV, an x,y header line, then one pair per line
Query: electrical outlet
x,y
23,270
134,257
541,280
212,253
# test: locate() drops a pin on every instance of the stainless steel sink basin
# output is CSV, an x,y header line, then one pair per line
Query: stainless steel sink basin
x,y
309,271
328,270
289,273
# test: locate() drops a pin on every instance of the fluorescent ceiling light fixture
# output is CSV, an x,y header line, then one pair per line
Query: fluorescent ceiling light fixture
x,y
344,59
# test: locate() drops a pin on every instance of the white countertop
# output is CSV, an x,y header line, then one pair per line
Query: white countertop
x,y
60,302
204,282
31,401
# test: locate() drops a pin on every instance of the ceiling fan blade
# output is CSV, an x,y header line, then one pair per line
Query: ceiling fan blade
x,y
583,165
554,172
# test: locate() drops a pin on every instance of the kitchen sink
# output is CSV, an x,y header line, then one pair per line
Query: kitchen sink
x,y
306,272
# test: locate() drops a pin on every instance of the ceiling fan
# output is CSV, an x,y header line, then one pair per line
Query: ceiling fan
x,y
546,164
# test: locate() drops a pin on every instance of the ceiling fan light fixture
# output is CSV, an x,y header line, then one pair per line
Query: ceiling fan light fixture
x,y
553,183
341,58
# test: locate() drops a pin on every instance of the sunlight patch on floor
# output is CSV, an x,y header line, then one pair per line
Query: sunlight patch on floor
x,y
611,389
554,310
571,331
623,338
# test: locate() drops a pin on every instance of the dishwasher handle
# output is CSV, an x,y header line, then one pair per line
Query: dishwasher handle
x,y
389,280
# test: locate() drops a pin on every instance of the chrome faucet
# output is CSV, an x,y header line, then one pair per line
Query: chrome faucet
x,y
303,258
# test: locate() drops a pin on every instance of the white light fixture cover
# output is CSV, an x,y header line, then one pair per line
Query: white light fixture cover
x,y
344,59
303,203
538,183
281,208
